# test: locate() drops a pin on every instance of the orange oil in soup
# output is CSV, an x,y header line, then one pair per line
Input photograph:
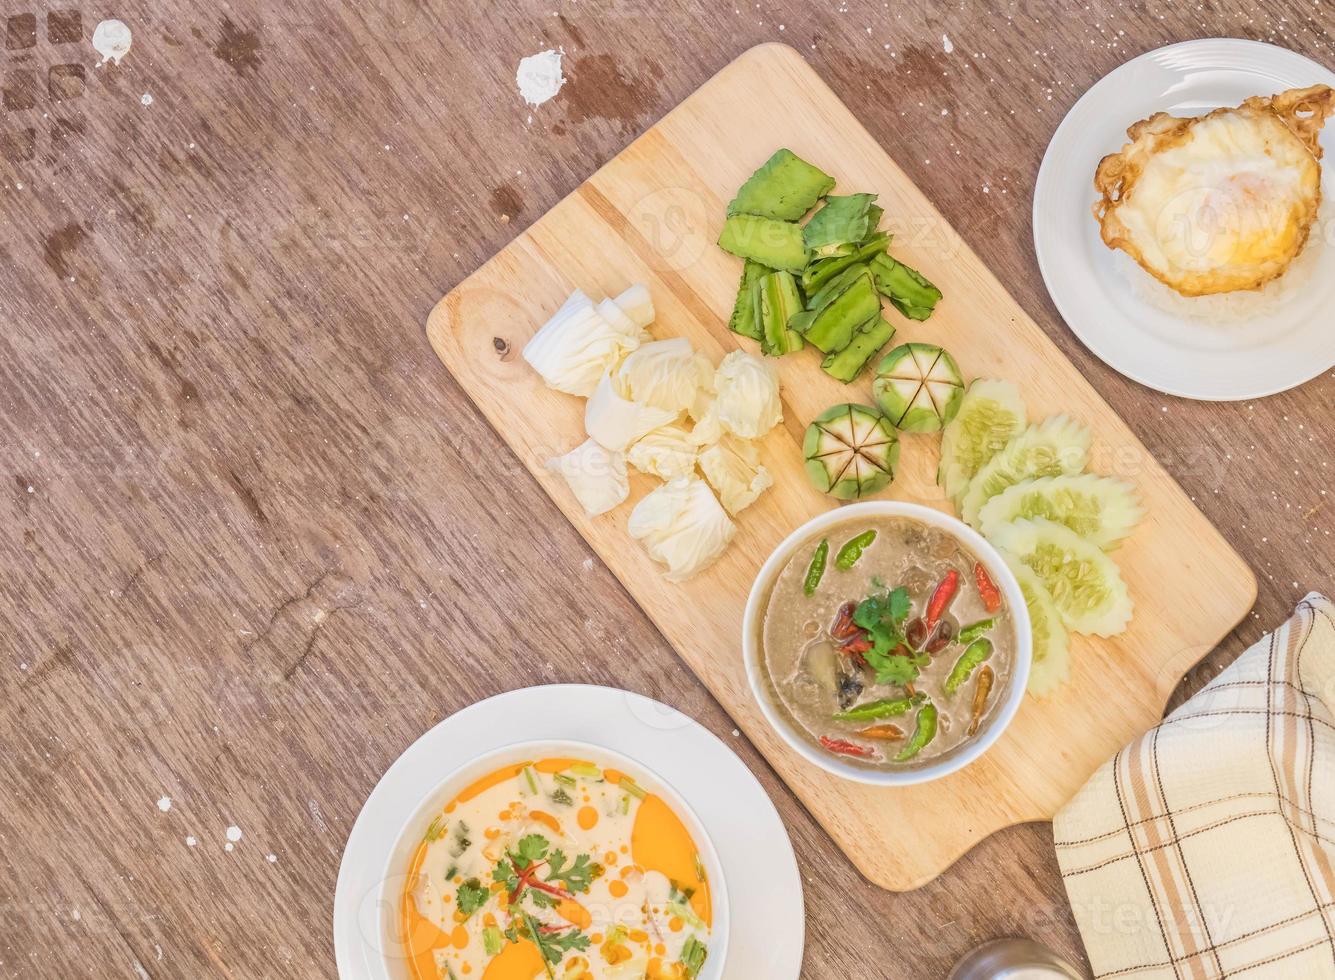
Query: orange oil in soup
x,y
659,842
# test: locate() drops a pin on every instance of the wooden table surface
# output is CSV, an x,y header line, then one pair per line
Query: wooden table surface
x,y
255,540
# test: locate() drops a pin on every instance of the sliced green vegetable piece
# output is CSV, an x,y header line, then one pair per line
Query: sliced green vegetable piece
x,y
918,387
848,363
852,549
1085,584
820,272
884,708
851,452
777,244
776,301
839,310
816,570
908,290
990,415
924,730
1057,446
1100,509
841,221
974,654
1052,658
743,320
974,630
785,187
874,216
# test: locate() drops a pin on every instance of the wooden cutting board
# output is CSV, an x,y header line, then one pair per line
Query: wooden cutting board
x,y
652,214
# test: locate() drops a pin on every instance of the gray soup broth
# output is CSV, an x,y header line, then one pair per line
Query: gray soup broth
x,y
887,642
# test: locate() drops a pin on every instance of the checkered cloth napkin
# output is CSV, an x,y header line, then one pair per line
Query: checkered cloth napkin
x,y
1206,847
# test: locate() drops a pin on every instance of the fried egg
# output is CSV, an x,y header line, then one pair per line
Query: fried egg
x,y
1219,202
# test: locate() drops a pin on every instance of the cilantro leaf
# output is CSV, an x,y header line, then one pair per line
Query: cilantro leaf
x,y
890,609
541,899
472,896
895,668
899,604
505,873
554,945
531,848
577,876
882,616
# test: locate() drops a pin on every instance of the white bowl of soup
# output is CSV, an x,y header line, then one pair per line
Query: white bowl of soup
x,y
559,859
888,643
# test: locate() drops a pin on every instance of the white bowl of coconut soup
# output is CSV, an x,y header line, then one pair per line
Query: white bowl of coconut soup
x,y
887,642
554,859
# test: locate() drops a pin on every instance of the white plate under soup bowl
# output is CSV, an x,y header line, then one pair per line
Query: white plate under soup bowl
x,y
393,880
753,624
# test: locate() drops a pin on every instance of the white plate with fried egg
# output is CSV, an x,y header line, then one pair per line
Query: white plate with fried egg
x,y
473,770
1203,263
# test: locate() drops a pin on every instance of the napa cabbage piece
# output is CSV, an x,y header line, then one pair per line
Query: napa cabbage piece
x,y
617,421
668,453
683,526
746,401
732,467
1098,508
1057,446
579,344
637,304
990,415
595,476
1085,584
1051,664
666,374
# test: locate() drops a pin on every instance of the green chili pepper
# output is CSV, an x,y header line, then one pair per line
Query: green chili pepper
x,y
816,570
923,733
885,708
974,630
852,550
977,651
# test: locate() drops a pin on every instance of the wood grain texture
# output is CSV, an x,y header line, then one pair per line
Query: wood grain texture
x,y
265,546
652,214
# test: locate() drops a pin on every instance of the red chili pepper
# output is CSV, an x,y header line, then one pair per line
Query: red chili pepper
x,y
527,879
859,644
843,626
842,746
941,596
987,589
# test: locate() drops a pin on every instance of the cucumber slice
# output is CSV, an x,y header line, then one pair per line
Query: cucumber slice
x,y
1052,654
785,187
918,387
838,310
907,289
1056,446
777,244
841,221
821,272
990,415
851,452
1098,508
743,320
849,362
776,301
1085,583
